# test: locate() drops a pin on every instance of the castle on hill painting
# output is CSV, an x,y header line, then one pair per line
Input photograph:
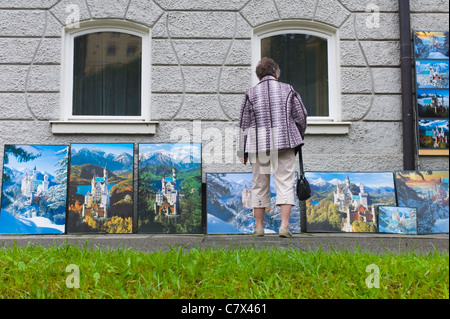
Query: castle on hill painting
x,y
167,198
170,188
97,200
346,201
101,188
355,204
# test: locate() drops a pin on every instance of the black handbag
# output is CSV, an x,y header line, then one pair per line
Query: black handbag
x,y
303,188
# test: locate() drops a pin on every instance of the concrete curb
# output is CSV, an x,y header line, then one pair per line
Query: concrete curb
x,y
374,243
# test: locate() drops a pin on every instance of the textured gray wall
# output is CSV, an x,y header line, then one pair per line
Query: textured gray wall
x,y
201,65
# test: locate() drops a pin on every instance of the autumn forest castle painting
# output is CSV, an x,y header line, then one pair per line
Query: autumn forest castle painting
x,y
345,202
101,188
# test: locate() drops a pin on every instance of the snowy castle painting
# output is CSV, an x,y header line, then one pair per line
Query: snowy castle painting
x,y
229,206
247,197
431,45
428,191
34,189
397,220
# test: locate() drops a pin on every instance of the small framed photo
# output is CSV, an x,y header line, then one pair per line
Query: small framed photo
x,y
432,104
431,45
397,220
432,74
433,134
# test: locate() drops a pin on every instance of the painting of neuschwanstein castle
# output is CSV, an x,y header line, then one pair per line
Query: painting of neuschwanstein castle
x,y
34,189
346,201
428,191
229,206
101,188
170,197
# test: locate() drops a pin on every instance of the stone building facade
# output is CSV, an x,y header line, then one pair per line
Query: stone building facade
x,y
198,59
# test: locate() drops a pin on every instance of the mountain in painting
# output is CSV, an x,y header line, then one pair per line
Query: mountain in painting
x,y
113,162
226,212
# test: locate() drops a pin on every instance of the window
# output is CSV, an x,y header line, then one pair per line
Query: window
x,y
107,72
303,59
308,60
106,80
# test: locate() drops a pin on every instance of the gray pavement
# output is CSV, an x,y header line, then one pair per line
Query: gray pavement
x,y
375,243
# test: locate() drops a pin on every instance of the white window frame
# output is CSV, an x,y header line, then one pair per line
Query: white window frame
x,y
68,62
330,124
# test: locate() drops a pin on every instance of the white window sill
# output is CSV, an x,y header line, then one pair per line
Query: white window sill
x,y
149,127
109,127
327,128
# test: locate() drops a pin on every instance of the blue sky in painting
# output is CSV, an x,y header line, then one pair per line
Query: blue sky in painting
x,y
46,162
108,148
177,150
240,177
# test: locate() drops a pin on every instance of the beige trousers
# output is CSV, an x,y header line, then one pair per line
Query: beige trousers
x,y
282,164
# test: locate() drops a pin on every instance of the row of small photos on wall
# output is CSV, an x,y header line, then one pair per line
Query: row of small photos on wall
x,y
89,189
431,52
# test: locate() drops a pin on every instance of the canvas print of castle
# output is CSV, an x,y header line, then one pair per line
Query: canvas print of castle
x,y
433,134
431,45
432,74
170,183
428,192
346,201
101,188
397,220
432,103
229,208
34,189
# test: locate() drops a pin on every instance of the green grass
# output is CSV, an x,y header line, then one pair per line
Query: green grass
x,y
38,272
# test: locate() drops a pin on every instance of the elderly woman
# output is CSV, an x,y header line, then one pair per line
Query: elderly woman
x,y
272,126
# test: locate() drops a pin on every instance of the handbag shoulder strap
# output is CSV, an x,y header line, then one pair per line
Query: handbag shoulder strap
x,y
300,160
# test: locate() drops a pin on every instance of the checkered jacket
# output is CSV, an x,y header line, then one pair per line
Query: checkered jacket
x,y
272,118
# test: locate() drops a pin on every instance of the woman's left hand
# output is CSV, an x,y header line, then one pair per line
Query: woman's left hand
x,y
243,160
